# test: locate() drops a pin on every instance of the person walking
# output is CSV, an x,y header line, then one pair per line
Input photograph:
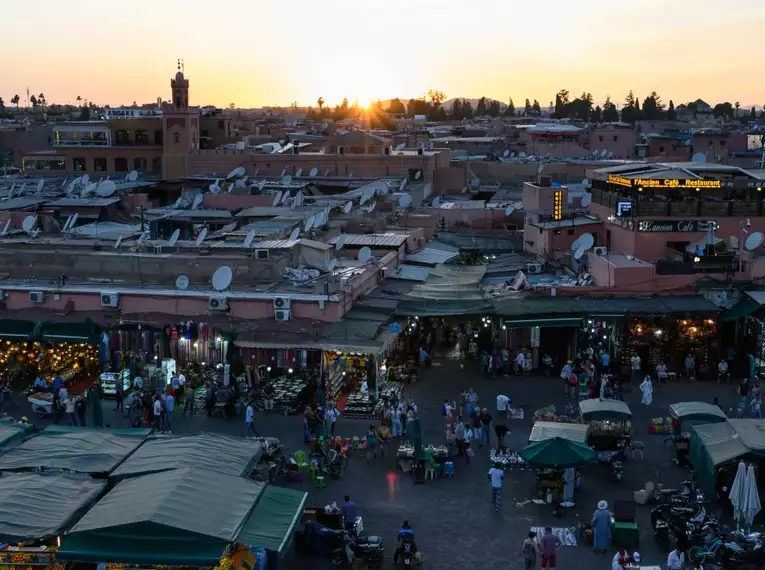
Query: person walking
x,y
471,402
486,420
459,436
646,387
81,407
119,396
495,478
5,394
156,418
169,407
468,438
549,546
71,416
529,550
249,421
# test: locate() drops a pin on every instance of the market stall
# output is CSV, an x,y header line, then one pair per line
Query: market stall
x,y
550,457
215,452
609,425
26,360
154,520
74,450
291,394
11,435
716,448
686,414
543,431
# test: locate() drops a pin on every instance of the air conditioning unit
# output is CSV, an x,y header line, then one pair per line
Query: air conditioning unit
x,y
110,300
282,314
218,303
600,250
533,268
36,297
282,302
157,249
261,254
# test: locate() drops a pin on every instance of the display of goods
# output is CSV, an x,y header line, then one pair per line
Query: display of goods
x,y
616,429
507,460
548,413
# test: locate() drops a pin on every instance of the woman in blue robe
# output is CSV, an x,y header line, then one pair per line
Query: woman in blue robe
x,y
601,526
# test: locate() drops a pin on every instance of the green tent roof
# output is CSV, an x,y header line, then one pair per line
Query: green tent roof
x,y
697,412
557,452
38,506
273,520
596,409
10,435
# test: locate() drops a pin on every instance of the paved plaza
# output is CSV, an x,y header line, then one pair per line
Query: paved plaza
x,y
454,523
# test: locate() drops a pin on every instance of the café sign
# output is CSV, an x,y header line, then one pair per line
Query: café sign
x,y
662,183
675,226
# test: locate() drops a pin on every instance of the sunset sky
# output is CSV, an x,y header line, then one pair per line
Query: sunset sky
x,y
266,52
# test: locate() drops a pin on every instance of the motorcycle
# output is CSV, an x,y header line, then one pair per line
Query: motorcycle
x,y
617,468
685,503
359,552
409,557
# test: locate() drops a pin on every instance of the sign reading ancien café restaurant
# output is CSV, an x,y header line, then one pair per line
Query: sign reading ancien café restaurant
x,y
662,183
682,226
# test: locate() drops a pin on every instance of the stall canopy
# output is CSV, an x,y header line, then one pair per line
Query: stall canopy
x,y
222,454
183,517
37,506
81,450
557,452
700,412
596,409
713,444
552,312
548,430
10,436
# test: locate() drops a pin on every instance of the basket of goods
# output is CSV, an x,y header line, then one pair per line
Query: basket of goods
x,y
547,413
507,460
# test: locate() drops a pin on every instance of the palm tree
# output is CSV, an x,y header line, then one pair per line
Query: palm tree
x,y
320,103
41,99
737,105
15,100
79,99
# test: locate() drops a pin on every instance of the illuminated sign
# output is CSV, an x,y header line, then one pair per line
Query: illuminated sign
x,y
663,183
675,226
623,208
558,205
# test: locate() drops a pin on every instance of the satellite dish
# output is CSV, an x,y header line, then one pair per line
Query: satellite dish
x,y
182,282
586,199
540,168
475,182
509,210
371,207
294,234
365,254
575,245
579,252
28,224
73,220
40,185
277,198
347,207
400,147
5,229
313,172
249,238
586,183
418,175
366,194
321,219
105,189
221,279
236,173
285,197
436,203
197,201
752,242
309,223
133,176
298,201
174,238
586,241
401,186
201,237
118,243
214,188
405,201
331,264
506,153
286,179
699,157
262,184
298,172
84,179
340,241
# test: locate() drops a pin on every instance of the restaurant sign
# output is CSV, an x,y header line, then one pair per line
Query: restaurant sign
x,y
674,226
662,183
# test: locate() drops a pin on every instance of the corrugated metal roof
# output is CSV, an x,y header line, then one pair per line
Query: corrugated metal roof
x,y
315,244
372,240
410,273
83,202
276,244
464,205
431,256
21,202
198,214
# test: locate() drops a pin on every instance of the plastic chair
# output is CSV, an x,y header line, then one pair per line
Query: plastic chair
x,y
449,469
637,447
301,460
313,470
320,482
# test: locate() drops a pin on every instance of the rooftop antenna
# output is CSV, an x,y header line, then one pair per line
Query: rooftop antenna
x,y
201,237
277,198
249,238
182,282
294,234
313,172
365,254
5,229
221,279
174,238
197,203
118,243
105,189
286,179
340,242
348,207
66,224
40,185
73,221
132,176
298,172
401,185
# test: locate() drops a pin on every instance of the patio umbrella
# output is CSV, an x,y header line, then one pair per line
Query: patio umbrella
x,y
557,452
752,504
737,492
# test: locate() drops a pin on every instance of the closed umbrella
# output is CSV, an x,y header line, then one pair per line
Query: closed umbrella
x,y
557,452
752,505
737,494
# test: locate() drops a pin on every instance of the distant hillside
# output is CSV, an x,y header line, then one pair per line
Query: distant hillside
x,y
474,102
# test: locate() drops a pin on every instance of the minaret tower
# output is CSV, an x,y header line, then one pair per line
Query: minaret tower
x,y
180,124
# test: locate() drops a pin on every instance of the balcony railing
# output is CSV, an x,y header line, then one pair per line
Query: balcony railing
x,y
81,142
685,208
